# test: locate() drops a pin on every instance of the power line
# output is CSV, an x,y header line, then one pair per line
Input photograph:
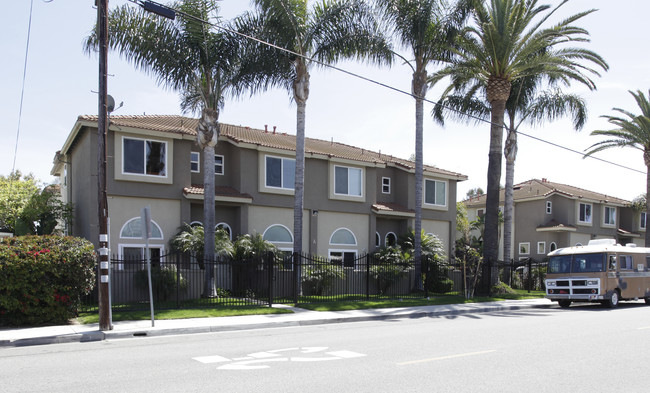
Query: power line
x,y
22,92
359,76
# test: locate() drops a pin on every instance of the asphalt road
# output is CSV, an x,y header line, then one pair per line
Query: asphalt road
x,y
582,349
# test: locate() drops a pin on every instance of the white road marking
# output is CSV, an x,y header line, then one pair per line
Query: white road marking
x,y
445,357
211,359
346,354
253,360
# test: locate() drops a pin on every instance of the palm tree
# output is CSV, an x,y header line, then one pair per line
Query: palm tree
x,y
186,56
426,28
525,104
507,42
631,131
330,31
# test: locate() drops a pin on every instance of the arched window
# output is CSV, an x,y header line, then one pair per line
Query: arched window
x,y
391,239
377,240
553,246
343,236
225,227
133,229
196,224
278,234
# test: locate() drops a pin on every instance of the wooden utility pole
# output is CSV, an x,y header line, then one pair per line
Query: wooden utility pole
x,y
102,128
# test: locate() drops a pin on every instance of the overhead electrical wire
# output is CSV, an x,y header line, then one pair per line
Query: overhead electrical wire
x,y
358,76
22,91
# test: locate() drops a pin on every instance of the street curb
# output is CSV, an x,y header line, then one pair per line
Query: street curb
x,y
94,336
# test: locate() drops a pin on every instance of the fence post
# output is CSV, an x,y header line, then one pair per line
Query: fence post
x,y
426,268
270,271
178,279
530,273
368,276
296,276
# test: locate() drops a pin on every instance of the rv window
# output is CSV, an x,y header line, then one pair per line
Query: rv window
x,y
559,264
626,262
588,263
612,262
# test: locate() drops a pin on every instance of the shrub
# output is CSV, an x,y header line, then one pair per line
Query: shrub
x,y
163,281
321,277
42,278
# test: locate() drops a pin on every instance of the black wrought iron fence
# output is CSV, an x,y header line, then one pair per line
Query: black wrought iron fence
x,y
180,281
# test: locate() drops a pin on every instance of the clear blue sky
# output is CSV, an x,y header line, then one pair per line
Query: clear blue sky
x,y
61,79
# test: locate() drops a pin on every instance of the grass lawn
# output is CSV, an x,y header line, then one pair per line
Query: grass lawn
x,y
317,304
220,311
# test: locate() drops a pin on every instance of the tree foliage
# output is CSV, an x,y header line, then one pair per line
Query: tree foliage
x,y
28,209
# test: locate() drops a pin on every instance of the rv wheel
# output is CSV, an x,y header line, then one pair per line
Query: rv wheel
x,y
612,302
647,300
564,303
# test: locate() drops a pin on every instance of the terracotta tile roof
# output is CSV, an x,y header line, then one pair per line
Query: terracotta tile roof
x,y
277,140
220,191
553,225
392,209
533,189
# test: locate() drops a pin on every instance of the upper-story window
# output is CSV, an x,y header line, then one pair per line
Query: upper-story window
x,y
194,162
280,172
385,185
435,192
584,214
144,157
347,181
196,167
642,220
218,165
549,207
609,216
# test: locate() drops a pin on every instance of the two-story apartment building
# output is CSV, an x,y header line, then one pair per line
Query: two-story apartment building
x,y
550,215
355,200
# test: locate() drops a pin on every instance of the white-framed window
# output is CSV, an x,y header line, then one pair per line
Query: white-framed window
x,y
348,181
625,262
609,216
343,237
344,258
279,235
132,256
132,229
377,240
225,227
195,166
435,192
390,239
524,248
218,164
552,247
280,172
585,213
196,224
385,185
549,207
541,248
144,157
642,221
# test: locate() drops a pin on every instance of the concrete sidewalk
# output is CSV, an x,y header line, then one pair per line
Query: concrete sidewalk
x,y
300,317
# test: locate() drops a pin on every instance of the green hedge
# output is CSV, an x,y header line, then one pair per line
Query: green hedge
x,y
42,278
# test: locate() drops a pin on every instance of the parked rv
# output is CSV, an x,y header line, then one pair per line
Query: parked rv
x,y
601,271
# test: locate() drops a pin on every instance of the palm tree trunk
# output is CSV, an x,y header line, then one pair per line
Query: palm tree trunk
x,y
419,90
207,138
510,154
300,94
647,201
491,236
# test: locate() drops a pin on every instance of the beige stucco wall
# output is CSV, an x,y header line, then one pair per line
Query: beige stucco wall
x,y
164,212
582,238
440,229
261,217
358,224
